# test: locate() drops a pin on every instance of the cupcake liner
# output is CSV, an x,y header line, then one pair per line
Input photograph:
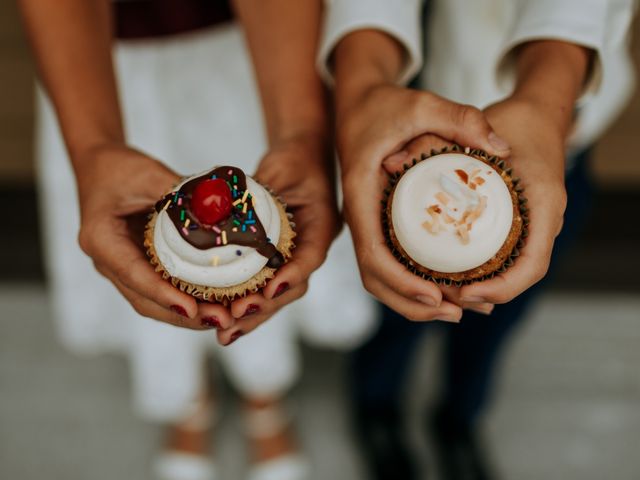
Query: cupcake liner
x,y
225,295
502,260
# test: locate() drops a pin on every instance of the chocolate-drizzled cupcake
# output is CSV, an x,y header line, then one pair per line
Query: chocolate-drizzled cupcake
x,y
219,235
455,216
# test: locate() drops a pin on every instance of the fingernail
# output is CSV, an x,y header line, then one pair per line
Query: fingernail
x,y
448,318
179,310
251,309
283,287
211,322
497,142
397,157
427,300
234,336
484,309
473,300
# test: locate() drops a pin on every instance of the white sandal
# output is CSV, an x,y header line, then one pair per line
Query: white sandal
x,y
184,466
267,422
177,465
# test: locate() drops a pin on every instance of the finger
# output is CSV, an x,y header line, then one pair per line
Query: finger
x,y
121,259
147,308
530,267
214,315
483,308
414,149
257,304
415,310
315,232
251,321
463,124
374,257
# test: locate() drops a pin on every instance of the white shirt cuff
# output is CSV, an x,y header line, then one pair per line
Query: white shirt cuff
x,y
400,19
582,22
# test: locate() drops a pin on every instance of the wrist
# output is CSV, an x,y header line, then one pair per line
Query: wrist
x,y
550,77
362,61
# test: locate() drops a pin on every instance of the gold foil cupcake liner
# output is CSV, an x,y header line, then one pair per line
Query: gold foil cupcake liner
x,y
225,295
458,279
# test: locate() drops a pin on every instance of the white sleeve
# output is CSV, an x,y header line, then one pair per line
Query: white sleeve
x,y
400,19
601,25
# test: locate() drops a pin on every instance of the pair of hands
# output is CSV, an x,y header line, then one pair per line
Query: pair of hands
x,y
382,129
117,188
388,126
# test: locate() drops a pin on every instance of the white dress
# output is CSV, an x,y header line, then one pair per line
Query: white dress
x,y
189,100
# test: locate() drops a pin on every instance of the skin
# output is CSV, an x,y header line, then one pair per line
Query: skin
x,y
118,185
381,126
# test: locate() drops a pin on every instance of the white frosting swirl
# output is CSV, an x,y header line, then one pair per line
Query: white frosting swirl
x,y
218,266
451,212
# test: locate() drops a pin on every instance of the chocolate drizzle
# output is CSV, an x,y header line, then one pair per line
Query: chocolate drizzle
x,y
242,227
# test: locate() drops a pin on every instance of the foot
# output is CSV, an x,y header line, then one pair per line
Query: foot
x,y
274,451
187,454
458,451
383,440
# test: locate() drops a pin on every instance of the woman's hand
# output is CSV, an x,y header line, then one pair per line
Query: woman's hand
x,y
374,133
299,170
118,187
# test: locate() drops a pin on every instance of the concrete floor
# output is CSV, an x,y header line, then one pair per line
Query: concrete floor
x,y
568,405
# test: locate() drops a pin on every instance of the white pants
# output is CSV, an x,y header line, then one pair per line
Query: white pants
x,y
190,101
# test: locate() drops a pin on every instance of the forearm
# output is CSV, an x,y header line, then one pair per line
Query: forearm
x,y
71,40
283,48
551,74
364,59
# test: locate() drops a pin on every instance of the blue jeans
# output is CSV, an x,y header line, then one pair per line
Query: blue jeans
x,y
472,348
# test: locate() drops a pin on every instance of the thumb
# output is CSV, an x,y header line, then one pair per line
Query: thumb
x,y
463,124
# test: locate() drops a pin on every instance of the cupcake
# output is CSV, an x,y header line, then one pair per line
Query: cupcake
x,y
455,216
219,235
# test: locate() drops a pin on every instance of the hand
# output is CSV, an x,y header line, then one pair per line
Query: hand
x,y
300,172
378,125
537,157
117,188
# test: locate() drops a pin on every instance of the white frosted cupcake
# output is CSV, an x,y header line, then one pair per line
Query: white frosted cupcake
x,y
455,216
219,235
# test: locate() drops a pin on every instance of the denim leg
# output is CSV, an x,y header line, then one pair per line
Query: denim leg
x,y
473,348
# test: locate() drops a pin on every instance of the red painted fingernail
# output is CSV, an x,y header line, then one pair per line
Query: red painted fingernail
x,y
179,310
211,322
235,336
283,287
251,309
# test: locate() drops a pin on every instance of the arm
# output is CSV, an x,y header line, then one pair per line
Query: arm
x,y
117,185
376,123
299,162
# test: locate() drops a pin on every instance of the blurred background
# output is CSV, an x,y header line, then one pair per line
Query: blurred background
x,y
568,404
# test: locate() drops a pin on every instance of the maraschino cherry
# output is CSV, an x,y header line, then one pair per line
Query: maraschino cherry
x,y
211,201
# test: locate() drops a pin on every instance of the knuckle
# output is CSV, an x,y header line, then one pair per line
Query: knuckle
x,y
138,307
85,240
468,115
368,284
